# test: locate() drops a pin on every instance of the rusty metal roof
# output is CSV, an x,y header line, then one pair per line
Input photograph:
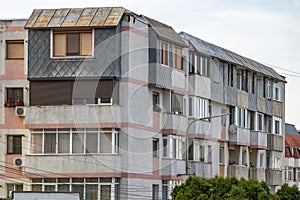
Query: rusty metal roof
x,y
165,31
229,56
75,17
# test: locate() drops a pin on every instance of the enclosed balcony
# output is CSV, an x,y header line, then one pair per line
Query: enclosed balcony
x,y
258,139
172,167
65,164
257,173
73,114
200,129
238,171
160,76
274,177
174,122
240,136
200,169
275,142
200,86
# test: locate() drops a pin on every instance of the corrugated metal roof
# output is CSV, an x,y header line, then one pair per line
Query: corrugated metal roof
x,y
229,56
75,17
165,31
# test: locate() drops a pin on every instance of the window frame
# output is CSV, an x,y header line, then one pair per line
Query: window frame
x,y
8,42
65,31
164,53
177,57
14,147
41,151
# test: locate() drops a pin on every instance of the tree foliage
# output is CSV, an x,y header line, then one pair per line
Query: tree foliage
x,y
230,188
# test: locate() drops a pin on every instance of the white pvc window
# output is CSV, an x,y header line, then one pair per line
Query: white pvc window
x,y
277,125
241,117
74,141
199,107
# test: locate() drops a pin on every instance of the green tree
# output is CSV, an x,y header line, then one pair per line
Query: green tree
x,y
288,193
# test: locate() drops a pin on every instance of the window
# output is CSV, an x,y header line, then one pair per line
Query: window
x,y
253,77
268,123
165,188
192,64
92,101
177,58
244,158
230,75
155,101
83,141
164,54
173,146
221,155
14,97
177,103
260,122
72,43
14,144
241,117
88,188
155,192
155,147
242,79
276,92
268,89
223,118
252,120
209,154
199,107
15,49
13,188
277,125
260,87
261,160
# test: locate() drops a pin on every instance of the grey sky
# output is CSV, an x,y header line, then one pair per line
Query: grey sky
x,y
265,30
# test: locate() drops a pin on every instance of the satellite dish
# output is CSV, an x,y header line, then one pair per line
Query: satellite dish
x,y
233,128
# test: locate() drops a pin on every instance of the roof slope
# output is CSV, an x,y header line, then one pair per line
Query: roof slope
x,y
224,54
291,129
165,31
75,17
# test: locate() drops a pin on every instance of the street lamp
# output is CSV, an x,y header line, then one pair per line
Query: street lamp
x,y
186,139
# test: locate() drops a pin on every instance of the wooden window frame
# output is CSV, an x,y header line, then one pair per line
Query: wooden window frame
x,y
8,42
177,57
164,53
66,56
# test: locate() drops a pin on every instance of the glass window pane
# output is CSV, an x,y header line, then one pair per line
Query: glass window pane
x,y
78,143
15,49
91,192
63,143
63,188
49,188
91,142
79,189
105,192
73,45
50,180
105,142
92,180
50,143
77,180
86,44
36,188
60,44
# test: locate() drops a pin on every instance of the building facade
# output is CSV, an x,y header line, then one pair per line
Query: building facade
x,y
119,106
292,155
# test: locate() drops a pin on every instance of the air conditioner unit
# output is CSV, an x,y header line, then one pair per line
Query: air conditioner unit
x,y
233,128
18,162
20,111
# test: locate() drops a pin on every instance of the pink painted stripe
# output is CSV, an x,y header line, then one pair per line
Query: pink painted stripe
x,y
134,81
15,29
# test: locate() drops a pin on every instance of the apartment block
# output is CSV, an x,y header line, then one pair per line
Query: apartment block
x,y
292,156
117,105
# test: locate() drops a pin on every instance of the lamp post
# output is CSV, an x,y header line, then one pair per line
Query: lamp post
x,y
186,139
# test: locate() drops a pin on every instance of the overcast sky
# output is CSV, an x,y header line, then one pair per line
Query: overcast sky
x,y
267,31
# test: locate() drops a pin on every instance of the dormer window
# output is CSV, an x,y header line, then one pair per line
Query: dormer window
x,y
72,43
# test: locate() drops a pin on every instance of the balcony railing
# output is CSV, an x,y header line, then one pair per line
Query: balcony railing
x,y
258,139
200,169
73,114
174,122
92,163
238,171
274,177
257,173
275,142
172,167
240,137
